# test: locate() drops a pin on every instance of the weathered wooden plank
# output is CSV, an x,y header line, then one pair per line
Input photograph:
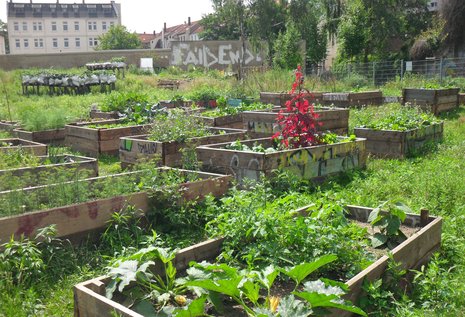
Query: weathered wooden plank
x,y
33,148
308,163
432,100
56,136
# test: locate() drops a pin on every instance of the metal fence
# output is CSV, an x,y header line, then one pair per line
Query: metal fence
x,y
380,72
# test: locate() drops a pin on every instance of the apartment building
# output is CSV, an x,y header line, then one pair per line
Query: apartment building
x,y
189,31
2,45
38,28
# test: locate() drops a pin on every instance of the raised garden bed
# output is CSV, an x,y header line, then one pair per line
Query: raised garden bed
x,y
24,145
97,114
280,98
233,121
136,148
260,124
90,299
461,99
66,161
353,99
432,100
8,125
315,162
97,141
55,136
399,144
78,220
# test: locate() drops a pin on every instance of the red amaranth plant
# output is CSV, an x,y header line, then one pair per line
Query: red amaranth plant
x,y
298,120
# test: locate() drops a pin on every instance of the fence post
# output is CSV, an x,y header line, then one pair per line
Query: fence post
x,y
440,70
374,74
401,70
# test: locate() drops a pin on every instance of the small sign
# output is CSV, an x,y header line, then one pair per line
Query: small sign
x,y
408,66
146,64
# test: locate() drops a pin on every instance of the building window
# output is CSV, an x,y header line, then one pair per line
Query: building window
x,y
24,26
92,26
65,26
54,26
39,26
16,26
104,26
36,43
26,43
66,42
18,44
78,42
93,41
54,43
76,25
41,43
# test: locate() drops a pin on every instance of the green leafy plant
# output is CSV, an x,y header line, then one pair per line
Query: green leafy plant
x,y
388,221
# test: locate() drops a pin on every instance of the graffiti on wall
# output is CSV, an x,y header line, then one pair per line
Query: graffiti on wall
x,y
213,54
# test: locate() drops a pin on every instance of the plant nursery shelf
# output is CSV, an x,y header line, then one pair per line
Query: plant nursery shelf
x,y
313,163
139,148
80,219
353,99
97,141
24,145
399,144
90,299
432,100
261,124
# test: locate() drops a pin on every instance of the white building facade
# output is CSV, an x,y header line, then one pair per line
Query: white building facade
x,y
2,45
39,28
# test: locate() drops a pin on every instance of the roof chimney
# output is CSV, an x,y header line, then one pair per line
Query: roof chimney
x,y
189,21
154,32
164,26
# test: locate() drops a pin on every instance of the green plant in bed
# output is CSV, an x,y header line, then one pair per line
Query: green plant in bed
x,y
224,110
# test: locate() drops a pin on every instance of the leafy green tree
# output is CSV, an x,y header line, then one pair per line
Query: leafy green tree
x,y
287,48
119,38
4,32
225,22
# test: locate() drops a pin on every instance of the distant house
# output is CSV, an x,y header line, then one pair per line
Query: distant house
x,y
146,38
2,45
189,31
37,28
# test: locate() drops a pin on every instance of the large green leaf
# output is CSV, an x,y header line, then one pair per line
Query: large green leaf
x,y
378,239
290,307
251,291
228,287
195,309
145,308
301,271
328,301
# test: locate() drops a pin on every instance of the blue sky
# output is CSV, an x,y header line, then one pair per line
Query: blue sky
x,y
145,15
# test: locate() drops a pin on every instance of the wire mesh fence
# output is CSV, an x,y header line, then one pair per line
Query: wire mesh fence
x,y
380,72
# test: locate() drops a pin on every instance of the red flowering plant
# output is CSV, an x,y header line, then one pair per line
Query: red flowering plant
x,y
298,120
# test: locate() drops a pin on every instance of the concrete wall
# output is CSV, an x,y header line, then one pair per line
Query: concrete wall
x,y
2,45
214,54
67,60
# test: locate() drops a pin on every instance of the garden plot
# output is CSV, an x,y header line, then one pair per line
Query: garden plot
x,y
43,166
313,162
8,125
90,297
98,198
400,144
96,139
353,99
432,100
260,124
52,136
141,148
280,98
16,144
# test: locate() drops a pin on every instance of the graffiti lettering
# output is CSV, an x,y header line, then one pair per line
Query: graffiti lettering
x,y
147,148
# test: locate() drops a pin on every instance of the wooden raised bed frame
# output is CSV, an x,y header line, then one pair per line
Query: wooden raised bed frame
x,y
280,98
33,148
313,163
97,141
432,100
136,148
353,99
399,144
80,163
233,121
90,300
54,136
79,219
261,124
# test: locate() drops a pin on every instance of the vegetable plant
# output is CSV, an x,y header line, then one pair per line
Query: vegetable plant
x,y
388,222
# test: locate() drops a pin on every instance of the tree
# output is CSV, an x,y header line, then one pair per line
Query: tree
x,y
453,12
225,22
119,38
4,32
287,51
